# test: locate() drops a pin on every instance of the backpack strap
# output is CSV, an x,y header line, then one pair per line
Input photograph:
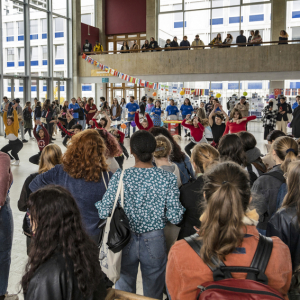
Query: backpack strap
x,y
261,259
196,245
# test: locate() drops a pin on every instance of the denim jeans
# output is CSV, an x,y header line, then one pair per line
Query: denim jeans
x,y
148,249
82,123
130,119
6,238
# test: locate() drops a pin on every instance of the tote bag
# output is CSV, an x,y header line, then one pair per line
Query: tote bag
x,y
111,262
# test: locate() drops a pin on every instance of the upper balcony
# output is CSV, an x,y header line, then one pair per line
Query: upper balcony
x,y
267,62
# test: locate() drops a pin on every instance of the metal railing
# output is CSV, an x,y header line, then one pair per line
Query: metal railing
x,y
189,47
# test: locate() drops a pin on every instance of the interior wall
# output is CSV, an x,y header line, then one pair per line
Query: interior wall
x,y
89,33
125,16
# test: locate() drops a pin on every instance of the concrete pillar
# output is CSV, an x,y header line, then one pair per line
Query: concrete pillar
x,y
100,91
76,33
100,21
276,85
151,25
278,21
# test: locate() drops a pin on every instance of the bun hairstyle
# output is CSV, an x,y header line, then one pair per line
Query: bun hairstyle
x,y
143,144
231,148
286,149
227,193
204,155
163,147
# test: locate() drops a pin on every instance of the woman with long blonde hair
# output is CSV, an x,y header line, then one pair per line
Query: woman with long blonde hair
x,y
49,158
84,172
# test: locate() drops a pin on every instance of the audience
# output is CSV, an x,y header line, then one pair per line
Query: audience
x,y
174,43
185,43
153,44
197,42
241,39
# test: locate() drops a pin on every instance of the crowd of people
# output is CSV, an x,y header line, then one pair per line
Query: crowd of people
x,y
220,197
255,39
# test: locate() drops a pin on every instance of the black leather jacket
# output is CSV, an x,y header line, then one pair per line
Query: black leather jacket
x,y
53,281
284,224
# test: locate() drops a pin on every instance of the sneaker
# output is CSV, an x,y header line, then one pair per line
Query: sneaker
x,y
33,138
16,163
53,139
24,141
127,137
186,135
12,161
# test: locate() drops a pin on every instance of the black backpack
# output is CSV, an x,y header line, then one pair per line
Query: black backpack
x,y
252,175
26,114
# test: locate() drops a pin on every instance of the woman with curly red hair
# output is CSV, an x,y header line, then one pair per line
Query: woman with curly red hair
x,y
85,173
113,149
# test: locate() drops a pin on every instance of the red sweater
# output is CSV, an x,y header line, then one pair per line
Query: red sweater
x,y
42,143
235,128
196,133
138,124
122,136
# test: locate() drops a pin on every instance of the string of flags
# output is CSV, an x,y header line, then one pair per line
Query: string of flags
x,y
144,83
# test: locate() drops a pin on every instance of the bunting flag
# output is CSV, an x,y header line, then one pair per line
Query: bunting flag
x,y
197,92
298,91
187,91
277,92
294,92
83,55
288,92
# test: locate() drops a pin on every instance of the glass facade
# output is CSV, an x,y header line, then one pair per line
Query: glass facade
x,y
33,77
210,17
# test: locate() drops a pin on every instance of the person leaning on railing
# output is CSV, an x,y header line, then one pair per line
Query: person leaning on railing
x,y
197,42
256,39
283,38
185,43
98,47
146,45
174,43
217,40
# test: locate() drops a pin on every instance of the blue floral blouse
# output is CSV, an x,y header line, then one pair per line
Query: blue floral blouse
x,y
151,198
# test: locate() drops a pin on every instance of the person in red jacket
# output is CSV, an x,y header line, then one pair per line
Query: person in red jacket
x,y
197,129
237,123
146,124
42,138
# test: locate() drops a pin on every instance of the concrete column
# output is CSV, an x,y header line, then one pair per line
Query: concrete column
x,y
100,91
100,21
278,21
151,25
276,85
76,40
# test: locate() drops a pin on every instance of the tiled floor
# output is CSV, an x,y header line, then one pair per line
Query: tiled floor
x,y
21,172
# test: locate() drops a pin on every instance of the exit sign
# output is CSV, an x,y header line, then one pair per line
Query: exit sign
x,y
105,80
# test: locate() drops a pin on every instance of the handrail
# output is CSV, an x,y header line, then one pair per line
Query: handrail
x,y
186,47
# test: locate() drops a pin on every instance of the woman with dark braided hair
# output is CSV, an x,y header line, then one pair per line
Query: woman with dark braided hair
x,y
63,261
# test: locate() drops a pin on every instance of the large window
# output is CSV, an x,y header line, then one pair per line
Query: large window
x,y
293,20
210,17
9,31
34,29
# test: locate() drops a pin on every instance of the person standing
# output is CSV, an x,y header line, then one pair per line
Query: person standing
x,y
132,107
256,39
282,116
47,117
123,106
20,119
125,47
241,39
185,43
74,109
91,109
82,115
295,124
105,109
217,40
6,221
168,45
147,246
197,42
135,46
228,40
146,45
243,107
27,115
87,47
172,109
98,47
209,106
150,105
143,104
156,113
10,109
269,118
283,38
153,44
250,38
11,130
116,111
186,109
174,43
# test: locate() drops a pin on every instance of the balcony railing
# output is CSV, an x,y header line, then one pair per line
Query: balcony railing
x,y
192,47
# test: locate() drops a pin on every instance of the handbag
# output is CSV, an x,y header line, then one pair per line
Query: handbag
x,y
111,262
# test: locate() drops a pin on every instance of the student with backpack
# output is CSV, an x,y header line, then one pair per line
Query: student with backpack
x,y
228,237
27,119
284,151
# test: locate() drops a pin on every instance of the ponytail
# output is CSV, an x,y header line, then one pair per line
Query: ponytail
x,y
227,192
286,149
